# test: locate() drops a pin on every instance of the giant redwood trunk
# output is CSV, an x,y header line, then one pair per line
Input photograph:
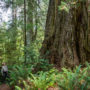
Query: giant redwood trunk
x,y
66,35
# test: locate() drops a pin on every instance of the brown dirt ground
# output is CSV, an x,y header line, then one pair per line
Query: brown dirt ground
x,y
4,87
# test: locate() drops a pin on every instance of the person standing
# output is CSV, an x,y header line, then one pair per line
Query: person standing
x,y
4,71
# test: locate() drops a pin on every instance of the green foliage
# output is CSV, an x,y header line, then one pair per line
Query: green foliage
x,y
33,53
43,65
76,79
42,80
64,6
18,73
17,88
11,33
67,79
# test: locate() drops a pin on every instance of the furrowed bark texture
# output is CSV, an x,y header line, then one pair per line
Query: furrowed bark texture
x,y
65,35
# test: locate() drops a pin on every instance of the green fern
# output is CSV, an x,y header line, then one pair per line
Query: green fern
x,y
17,88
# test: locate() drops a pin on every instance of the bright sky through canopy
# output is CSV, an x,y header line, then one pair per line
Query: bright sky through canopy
x,y
4,13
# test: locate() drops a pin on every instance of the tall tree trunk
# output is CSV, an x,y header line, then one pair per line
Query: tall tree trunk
x,y
32,20
25,38
36,19
30,31
14,23
88,32
65,34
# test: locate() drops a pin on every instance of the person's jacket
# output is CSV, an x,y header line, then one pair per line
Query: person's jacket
x,y
4,69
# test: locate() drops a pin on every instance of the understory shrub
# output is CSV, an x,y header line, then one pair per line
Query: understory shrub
x,y
78,79
67,79
41,80
18,72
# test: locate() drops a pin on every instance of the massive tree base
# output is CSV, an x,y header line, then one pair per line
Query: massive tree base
x,y
66,35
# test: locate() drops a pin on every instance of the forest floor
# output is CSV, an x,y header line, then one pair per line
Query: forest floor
x,y
4,87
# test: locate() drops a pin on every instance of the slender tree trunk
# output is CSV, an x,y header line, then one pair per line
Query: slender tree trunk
x,y
36,20
25,38
32,10
14,23
30,31
65,34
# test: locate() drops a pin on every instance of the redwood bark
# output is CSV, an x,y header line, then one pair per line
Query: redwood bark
x,y
65,35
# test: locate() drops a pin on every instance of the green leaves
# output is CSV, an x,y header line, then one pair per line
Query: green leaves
x,y
78,78
18,73
43,80
64,6
67,79
17,88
